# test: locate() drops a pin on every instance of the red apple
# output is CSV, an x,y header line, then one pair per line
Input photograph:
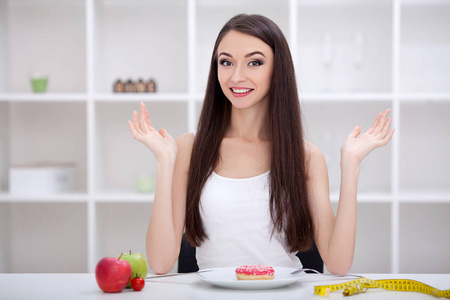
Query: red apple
x,y
112,274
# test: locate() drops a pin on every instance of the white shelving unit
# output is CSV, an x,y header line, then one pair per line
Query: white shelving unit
x,y
352,58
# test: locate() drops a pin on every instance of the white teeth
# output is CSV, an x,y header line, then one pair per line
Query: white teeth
x,y
240,91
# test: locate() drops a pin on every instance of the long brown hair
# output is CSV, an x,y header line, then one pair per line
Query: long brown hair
x,y
289,207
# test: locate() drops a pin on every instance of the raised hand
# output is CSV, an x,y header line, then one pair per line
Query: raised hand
x,y
357,148
162,145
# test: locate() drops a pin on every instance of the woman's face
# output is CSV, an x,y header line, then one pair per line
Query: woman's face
x,y
245,66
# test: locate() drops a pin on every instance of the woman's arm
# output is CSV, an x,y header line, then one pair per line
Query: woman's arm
x,y
167,219
335,236
166,224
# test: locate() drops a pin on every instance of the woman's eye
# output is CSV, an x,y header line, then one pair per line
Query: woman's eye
x,y
255,63
225,63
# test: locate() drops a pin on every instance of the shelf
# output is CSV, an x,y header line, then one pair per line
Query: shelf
x,y
231,4
113,197
83,97
166,97
338,97
424,3
366,198
57,198
341,3
123,197
424,197
424,97
43,97
184,97
371,97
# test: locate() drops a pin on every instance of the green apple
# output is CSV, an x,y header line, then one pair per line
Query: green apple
x,y
138,264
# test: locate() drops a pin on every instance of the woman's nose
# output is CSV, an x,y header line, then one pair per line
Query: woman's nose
x,y
238,75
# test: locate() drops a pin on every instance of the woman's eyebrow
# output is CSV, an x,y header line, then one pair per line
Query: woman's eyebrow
x,y
247,55
254,53
224,53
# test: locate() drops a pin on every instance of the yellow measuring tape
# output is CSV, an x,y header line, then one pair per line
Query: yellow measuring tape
x,y
362,284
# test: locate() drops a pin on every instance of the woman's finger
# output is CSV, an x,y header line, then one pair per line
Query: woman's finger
x,y
164,133
135,122
374,125
380,124
388,137
149,122
386,127
147,129
133,129
147,119
356,131
143,117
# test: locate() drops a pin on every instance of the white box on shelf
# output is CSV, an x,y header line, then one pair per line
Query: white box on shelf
x,y
42,179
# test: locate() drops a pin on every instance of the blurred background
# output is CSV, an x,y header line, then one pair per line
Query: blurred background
x,y
75,186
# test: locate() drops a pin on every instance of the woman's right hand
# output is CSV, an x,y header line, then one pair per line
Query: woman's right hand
x,y
162,145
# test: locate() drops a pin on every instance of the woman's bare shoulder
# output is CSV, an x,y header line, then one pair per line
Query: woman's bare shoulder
x,y
185,143
313,155
311,149
186,139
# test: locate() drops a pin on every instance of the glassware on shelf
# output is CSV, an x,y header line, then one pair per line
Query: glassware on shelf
x,y
151,86
145,183
130,87
141,86
39,82
118,87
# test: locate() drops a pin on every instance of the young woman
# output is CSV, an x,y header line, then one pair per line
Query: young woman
x,y
247,188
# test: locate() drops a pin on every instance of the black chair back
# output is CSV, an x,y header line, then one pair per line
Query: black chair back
x,y
188,263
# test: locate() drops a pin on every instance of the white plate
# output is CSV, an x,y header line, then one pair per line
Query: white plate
x,y
226,277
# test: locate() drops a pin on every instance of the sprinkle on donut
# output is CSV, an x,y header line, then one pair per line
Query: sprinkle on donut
x,y
255,272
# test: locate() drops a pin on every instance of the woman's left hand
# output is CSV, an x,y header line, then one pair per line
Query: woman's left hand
x,y
357,148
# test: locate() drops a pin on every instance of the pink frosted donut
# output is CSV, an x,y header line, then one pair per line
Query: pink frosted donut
x,y
255,272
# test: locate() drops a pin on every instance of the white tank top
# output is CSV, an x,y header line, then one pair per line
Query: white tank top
x,y
236,218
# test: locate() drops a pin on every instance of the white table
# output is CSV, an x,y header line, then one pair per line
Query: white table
x,y
84,286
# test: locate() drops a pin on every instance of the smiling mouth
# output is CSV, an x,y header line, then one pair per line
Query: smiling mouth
x,y
240,91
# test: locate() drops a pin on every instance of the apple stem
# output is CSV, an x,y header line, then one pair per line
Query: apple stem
x,y
120,256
